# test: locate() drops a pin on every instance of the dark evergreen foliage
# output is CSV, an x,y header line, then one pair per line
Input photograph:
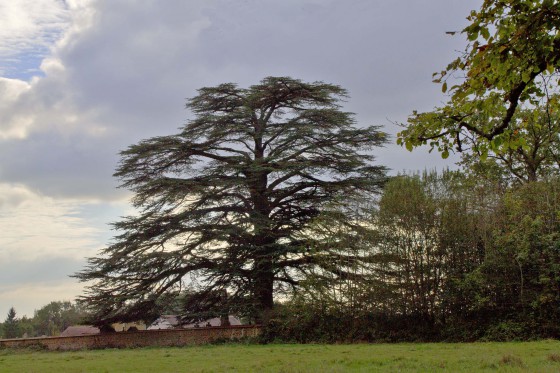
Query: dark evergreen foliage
x,y
226,204
11,327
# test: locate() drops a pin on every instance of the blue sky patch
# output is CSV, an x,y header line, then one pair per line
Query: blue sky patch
x,y
24,66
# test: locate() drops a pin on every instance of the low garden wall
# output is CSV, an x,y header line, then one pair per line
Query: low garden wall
x,y
142,338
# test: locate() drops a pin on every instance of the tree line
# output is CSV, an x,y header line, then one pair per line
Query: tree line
x,y
50,320
460,257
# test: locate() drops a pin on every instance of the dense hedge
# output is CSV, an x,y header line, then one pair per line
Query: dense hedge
x,y
309,323
453,258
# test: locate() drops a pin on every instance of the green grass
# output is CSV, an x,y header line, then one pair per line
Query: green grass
x,y
542,356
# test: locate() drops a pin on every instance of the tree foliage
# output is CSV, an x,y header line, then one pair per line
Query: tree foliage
x,y
348,281
523,262
537,159
434,228
511,63
226,204
460,257
11,326
55,317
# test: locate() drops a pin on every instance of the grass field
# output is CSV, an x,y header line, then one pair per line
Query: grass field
x,y
543,356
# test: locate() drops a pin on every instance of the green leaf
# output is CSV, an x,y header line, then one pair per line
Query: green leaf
x,y
495,143
444,87
408,145
484,154
473,36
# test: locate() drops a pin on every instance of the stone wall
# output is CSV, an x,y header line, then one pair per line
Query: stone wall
x,y
142,338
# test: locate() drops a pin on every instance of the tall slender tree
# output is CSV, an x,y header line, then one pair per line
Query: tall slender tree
x,y
226,204
11,327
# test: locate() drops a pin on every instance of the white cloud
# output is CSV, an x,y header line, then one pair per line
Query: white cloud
x,y
35,226
43,241
32,32
30,28
14,124
32,296
110,80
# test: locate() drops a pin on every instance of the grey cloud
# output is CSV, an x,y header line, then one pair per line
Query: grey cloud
x,y
30,285
61,166
133,69
43,270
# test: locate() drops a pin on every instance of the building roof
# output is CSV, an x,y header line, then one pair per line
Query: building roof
x,y
77,330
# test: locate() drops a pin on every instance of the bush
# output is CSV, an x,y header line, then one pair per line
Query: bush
x,y
302,322
507,331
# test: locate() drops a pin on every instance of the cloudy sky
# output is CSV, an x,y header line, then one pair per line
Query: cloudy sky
x,y
81,80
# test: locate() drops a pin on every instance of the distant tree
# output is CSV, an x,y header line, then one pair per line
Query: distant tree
x,y
11,327
53,318
26,327
227,203
511,63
